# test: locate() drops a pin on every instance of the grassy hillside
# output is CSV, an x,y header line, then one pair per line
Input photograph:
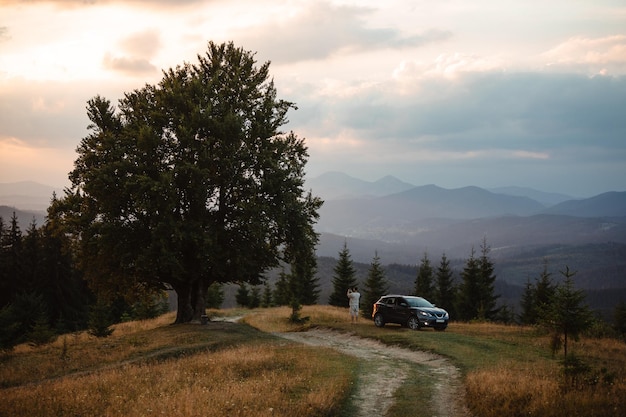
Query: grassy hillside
x,y
152,368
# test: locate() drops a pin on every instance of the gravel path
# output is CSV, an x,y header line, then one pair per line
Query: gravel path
x,y
391,367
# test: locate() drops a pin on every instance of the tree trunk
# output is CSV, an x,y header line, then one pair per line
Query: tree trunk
x,y
184,314
199,299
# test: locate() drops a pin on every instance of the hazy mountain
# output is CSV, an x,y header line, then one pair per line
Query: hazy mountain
x,y
611,204
547,199
507,235
337,185
417,207
27,195
400,222
24,218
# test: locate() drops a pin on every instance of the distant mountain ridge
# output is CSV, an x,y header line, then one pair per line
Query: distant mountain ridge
x,y
611,204
401,222
27,195
336,185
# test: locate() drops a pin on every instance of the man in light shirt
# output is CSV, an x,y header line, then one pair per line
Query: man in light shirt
x,y
354,296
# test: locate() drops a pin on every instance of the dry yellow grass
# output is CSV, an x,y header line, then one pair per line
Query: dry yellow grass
x,y
277,319
509,369
269,380
150,368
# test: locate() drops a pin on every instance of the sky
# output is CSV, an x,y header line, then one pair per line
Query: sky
x,y
491,93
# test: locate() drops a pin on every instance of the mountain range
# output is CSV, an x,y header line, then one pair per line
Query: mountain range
x,y
413,219
401,222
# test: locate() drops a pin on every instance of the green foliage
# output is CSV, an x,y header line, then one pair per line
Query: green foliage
x,y
303,282
424,286
150,306
375,286
41,332
343,278
9,328
215,296
619,319
190,182
242,297
266,300
445,291
100,320
567,316
282,292
536,298
255,297
476,297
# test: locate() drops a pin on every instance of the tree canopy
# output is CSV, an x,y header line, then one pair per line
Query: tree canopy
x,y
190,182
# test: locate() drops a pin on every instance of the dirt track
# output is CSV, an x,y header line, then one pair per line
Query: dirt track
x,y
390,366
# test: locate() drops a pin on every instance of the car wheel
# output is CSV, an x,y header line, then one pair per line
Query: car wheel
x,y
379,320
413,323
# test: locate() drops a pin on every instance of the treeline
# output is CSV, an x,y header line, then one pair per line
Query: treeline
x,y
43,294
471,296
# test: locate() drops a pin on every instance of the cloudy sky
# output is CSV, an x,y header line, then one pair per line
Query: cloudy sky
x,y
449,92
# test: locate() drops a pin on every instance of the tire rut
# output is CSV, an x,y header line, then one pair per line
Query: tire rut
x,y
390,365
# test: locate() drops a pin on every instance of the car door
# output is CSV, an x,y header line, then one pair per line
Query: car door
x,y
402,310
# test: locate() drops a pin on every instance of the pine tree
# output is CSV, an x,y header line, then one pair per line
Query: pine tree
x,y
100,320
12,263
243,295
469,290
488,300
527,303
215,295
619,319
305,283
266,301
537,298
445,293
544,290
255,297
281,291
424,281
376,286
567,315
343,278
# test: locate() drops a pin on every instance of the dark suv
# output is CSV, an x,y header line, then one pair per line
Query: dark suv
x,y
406,310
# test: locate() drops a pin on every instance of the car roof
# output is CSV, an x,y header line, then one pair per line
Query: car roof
x,y
400,295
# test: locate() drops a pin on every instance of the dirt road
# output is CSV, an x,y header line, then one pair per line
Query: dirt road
x,y
390,366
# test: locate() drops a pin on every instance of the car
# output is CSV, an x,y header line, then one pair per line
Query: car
x,y
410,311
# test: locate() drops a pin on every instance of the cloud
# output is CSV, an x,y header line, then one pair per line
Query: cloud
x,y
128,65
516,116
137,50
50,114
599,55
323,30
83,3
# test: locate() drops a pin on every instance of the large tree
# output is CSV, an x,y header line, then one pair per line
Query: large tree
x,y
190,182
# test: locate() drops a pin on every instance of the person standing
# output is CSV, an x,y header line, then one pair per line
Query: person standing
x,y
354,296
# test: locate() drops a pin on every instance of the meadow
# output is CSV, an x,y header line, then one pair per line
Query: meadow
x,y
152,368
